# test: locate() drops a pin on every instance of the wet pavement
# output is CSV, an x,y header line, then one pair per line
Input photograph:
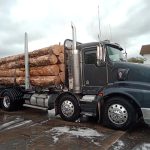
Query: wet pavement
x,y
32,129
135,139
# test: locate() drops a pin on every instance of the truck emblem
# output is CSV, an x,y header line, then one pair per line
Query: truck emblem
x,y
120,75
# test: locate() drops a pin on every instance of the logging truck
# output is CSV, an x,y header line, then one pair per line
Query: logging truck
x,y
98,82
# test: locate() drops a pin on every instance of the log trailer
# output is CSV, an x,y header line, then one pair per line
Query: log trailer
x,y
98,82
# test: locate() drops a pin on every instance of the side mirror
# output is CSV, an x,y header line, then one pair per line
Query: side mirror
x,y
101,54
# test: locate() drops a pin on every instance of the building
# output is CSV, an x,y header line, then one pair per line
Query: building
x,y
145,52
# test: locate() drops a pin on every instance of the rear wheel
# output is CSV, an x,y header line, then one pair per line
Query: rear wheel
x,y
12,99
119,113
68,108
8,102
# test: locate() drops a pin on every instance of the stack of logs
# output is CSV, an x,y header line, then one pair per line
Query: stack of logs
x,y
46,67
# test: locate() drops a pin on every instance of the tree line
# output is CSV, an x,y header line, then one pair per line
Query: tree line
x,y
136,60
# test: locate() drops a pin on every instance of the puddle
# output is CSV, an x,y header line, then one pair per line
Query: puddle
x,y
144,146
87,133
14,144
7,118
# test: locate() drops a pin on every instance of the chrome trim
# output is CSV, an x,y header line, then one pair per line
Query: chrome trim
x,y
36,107
76,64
117,114
75,51
146,114
99,111
88,98
39,100
67,108
6,101
27,74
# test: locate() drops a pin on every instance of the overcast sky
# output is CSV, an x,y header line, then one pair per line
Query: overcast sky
x,y
48,22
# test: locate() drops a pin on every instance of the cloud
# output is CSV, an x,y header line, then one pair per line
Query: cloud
x,y
131,27
48,22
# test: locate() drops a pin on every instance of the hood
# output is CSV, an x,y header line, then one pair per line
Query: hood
x,y
133,72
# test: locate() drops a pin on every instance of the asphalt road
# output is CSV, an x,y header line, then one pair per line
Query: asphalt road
x,y
31,129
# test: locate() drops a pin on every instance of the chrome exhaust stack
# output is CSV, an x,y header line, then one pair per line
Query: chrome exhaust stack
x,y
27,75
75,63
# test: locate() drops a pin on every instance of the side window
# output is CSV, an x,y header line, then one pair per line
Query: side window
x,y
90,57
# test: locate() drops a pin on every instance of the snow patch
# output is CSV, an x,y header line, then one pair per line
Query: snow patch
x,y
74,131
144,146
55,138
118,145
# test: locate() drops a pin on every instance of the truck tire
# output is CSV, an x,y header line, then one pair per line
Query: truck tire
x,y
8,103
119,114
69,108
12,99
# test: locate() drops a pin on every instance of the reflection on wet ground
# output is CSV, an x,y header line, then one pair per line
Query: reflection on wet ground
x,y
31,129
36,129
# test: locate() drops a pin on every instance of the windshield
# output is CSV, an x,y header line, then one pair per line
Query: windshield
x,y
114,54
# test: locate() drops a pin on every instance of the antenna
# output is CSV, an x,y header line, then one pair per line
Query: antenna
x,y
110,32
126,54
125,51
99,25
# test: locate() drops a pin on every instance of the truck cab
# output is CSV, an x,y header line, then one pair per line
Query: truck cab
x,y
108,87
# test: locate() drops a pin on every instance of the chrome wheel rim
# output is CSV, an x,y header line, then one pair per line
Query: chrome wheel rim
x,y
67,108
117,114
6,102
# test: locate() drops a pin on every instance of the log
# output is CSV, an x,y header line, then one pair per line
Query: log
x,y
33,62
35,81
61,58
10,59
39,61
9,65
43,60
12,72
45,81
7,80
62,76
62,67
50,70
55,49
41,52
62,49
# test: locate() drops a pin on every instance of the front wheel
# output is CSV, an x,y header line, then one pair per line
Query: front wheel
x,y
68,108
119,113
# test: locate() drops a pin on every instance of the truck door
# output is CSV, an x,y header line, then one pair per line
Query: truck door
x,y
94,77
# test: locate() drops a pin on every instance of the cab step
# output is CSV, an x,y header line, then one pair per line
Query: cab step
x,y
89,114
36,107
